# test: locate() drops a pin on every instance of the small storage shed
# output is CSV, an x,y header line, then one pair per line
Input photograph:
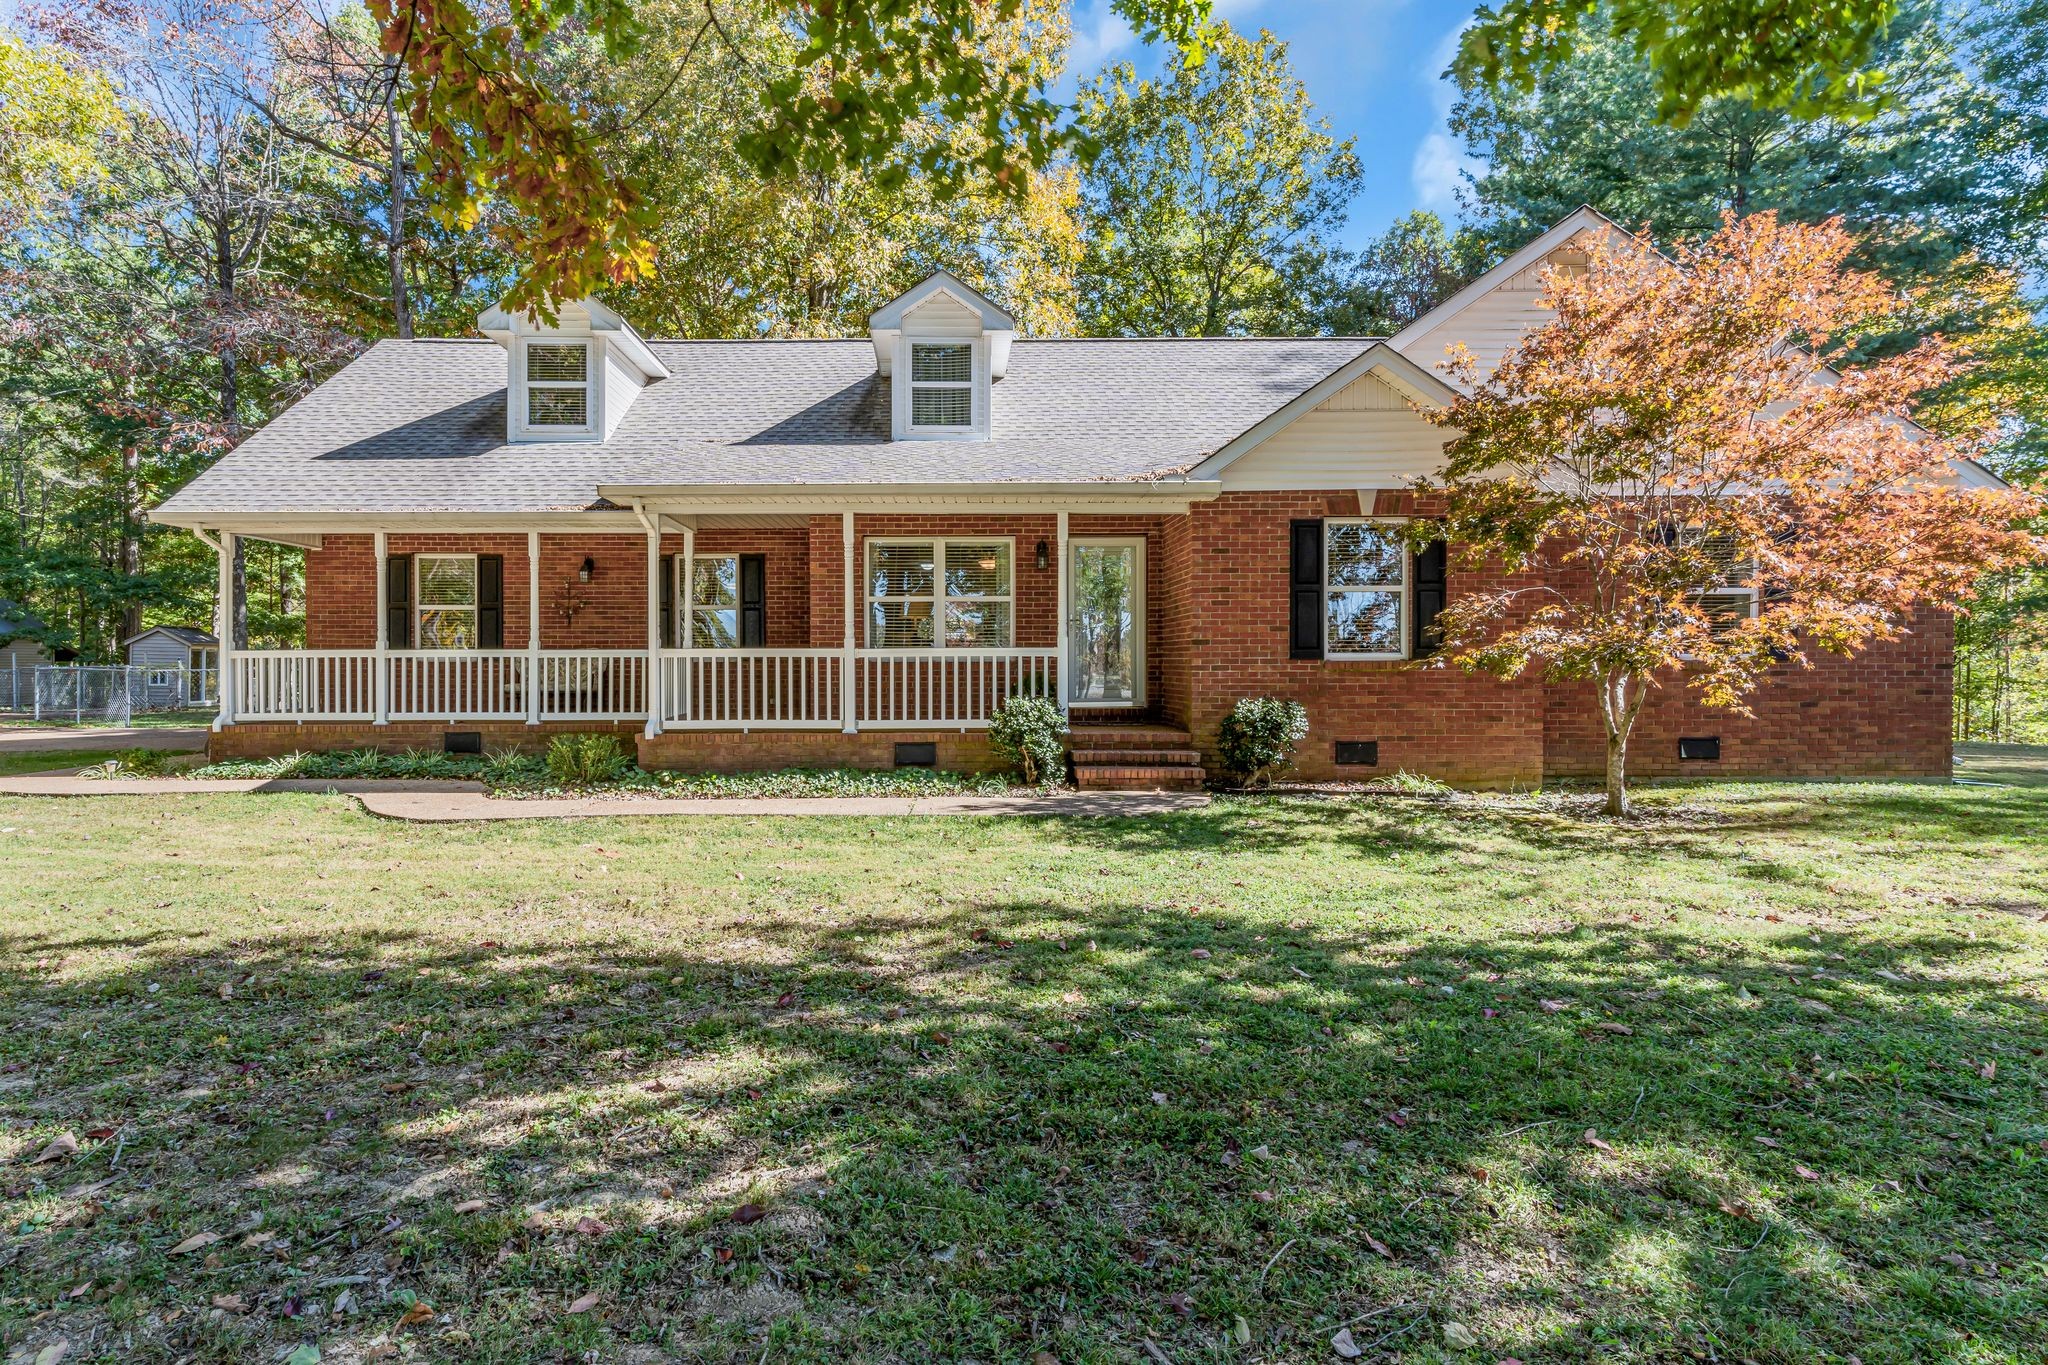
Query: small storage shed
x,y
181,662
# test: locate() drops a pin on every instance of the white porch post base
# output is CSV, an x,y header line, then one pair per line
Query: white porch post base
x,y
533,627
848,720
654,706
381,665
1060,595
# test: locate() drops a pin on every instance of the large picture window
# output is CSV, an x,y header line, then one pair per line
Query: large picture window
x,y
446,602
940,594
558,384
1365,591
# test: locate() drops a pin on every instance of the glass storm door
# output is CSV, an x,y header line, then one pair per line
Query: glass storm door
x,y
1106,622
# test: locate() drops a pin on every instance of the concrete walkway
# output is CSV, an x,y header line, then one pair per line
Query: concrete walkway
x,y
182,739
450,802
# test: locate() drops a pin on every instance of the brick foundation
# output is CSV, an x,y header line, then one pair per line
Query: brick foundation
x,y
764,750
270,738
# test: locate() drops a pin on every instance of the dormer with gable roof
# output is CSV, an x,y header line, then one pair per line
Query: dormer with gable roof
x,y
942,345
571,380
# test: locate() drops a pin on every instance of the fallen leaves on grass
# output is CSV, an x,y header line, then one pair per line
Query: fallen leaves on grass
x,y
471,1206
591,1227
749,1213
583,1304
196,1241
1593,1140
1377,1245
1459,1337
58,1147
1805,1174
1344,1346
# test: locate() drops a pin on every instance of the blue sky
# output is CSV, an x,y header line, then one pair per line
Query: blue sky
x,y
1370,66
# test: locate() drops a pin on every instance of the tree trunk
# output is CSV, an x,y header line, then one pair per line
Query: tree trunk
x,y
1617,773
1621,697
401,310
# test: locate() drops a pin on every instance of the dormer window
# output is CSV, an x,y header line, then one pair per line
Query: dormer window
x,y
558,385
941,385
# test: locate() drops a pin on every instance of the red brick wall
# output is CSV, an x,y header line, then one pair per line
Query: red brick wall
x,y
787,551
1229,586
341,583
765,750
1884,713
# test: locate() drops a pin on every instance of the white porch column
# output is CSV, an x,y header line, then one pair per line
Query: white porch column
x,y
223,630
1059,666
533,627
686,597
847,720
654,706
381,546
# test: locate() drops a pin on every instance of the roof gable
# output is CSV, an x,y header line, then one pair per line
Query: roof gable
x,y
1379,360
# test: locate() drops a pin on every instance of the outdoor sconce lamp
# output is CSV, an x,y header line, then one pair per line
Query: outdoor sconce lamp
x,y
1044,560
588,571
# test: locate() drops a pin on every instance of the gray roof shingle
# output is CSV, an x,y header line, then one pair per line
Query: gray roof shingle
x,y
419,426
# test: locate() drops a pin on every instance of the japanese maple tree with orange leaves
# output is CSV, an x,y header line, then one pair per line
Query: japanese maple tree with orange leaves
x,y
1689,424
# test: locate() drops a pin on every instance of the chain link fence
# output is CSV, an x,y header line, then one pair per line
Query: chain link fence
x,y
108,693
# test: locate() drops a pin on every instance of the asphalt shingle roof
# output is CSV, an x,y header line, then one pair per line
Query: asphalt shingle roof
x,y
418,426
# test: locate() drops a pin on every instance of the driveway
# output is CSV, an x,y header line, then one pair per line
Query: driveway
x,y
72,738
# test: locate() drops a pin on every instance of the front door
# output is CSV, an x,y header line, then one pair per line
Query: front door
x,y
1106,622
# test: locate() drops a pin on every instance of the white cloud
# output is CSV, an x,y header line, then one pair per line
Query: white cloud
x,y
1441,162
1100,36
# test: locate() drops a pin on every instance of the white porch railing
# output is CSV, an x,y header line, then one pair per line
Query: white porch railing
x,y
904,689
593,684
752,689
304,684
701,689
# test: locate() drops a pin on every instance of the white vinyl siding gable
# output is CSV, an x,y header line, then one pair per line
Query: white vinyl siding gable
x,y
1492,324
1363,436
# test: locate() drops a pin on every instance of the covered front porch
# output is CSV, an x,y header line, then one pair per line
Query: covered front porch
x,y
739,620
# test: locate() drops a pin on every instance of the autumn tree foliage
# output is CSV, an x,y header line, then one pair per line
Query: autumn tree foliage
x,y
1711,498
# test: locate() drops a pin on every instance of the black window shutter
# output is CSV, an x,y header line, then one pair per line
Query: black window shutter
x,y
490,601
668,603
398,601
1430,563
753,601
1305,590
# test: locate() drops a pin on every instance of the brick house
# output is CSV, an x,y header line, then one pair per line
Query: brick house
x,y
754,554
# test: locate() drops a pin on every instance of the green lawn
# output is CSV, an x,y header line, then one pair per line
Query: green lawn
x,y
13,764
1759,1077
141,720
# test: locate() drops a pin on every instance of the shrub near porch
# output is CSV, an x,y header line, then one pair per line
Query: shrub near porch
x,y
1002,1087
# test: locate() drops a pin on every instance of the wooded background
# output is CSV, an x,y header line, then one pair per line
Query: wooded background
x,y
208,206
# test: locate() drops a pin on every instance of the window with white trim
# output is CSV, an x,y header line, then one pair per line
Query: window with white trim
x,y
445,601
715,602
940,594
1734,599
1365,590
161,677
558,385
942,385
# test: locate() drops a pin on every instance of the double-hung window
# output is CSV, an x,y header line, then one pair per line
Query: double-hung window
x,y
715,602
558,385
940,594
1365,590
941,385
1733,599
445,602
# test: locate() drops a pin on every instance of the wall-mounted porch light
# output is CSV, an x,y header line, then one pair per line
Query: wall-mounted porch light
x,y
588,571
1044,559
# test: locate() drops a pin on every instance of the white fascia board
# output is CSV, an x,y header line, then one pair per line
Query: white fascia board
x,y
1107,495
1582,219
1380,360
889,317
293,528
502,326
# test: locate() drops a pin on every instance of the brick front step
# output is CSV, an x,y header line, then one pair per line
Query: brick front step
x,y
1144,758
1123,737
1102,777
